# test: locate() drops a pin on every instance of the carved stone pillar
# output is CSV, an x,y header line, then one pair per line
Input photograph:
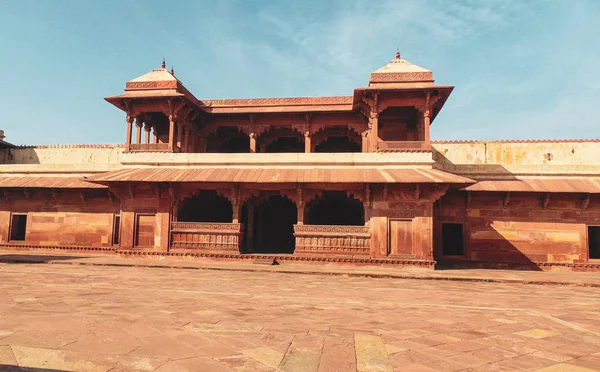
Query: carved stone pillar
x,y
186,140
300,205
156,134
307,142
373,130
180,137
365,141
250,227
374,123
129,120
148,128
193,142
172,120
427,119
139,123
367,204
235,204
252,142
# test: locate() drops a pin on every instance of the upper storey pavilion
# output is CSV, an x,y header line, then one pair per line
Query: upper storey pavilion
x,y
393,113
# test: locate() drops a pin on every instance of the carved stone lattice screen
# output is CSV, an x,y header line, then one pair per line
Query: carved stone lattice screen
x,y
333,240
206,236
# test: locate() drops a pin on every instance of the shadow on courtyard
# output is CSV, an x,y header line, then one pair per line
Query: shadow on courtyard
x,y
15,368
34,259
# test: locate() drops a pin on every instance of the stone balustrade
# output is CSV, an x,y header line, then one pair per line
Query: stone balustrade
x,y
149,147
206,236
333,240
391,146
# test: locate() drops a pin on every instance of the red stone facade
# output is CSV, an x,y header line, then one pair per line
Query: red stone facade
x,y
324,179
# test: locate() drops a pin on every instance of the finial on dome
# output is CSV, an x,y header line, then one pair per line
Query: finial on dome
x,y
172,71
163,65
397,53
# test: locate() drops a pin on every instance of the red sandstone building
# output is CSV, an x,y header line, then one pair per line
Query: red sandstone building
x,y
353,179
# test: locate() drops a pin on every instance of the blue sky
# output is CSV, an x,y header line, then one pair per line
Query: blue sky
x,y
522,69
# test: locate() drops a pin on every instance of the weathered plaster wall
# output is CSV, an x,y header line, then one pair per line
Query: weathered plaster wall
x,y
93,156
497,157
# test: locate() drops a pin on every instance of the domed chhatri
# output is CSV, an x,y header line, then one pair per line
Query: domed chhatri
x,y
400,72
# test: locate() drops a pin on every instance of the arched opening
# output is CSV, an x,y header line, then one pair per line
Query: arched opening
x,y
158,123
338,144
205,206
335,208
228,140
269,225
281,140
336,139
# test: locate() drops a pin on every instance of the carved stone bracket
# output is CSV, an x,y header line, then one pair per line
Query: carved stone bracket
x,y
28,194
506,200
385,192
468,200
437,191
585,202
545,200
56,195
130,189
82,196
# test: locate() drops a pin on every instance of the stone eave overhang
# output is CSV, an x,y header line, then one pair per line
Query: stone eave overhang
x,y
278,105
443,90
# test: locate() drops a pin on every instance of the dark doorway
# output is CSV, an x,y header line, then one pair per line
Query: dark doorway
x,y
205,206
116,229
594,241
335,208
338,144
272,226
18,227
453,243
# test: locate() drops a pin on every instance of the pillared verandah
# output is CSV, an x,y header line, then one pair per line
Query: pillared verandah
x,y
351,179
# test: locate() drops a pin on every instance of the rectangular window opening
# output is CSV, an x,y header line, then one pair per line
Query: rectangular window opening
x,y
594,241
18,226
453,242
117,230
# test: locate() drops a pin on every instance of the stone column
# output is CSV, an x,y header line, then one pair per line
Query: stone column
x,y
129,120
367,204
427,119
156,134
147,128
193,142
250,227
252,142
374,130
365,141
186,140
180,136
172,133
307,142
427,126
300,205
139,123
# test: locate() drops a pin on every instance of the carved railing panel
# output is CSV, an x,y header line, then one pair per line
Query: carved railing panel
x,y
402,145
207,236
150,147
346,241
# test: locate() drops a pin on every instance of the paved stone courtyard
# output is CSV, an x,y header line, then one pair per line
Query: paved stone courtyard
x,y
92,318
